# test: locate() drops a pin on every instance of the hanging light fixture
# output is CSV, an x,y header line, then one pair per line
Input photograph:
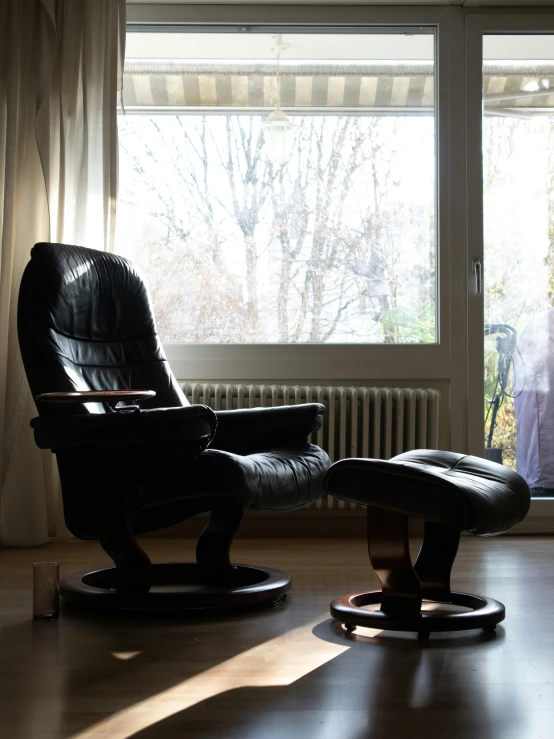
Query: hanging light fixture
x,y
278,126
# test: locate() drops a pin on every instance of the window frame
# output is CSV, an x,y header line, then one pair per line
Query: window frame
x,y
455,364
428,364
479,22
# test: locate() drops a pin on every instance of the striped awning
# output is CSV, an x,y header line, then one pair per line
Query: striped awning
x,y
405,87
518,87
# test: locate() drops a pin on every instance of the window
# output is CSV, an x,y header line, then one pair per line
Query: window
x,y
333,242
518,158
379,281
509,67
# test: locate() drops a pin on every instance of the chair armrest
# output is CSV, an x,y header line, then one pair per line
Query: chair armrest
x,y
111,397
250,429
192,426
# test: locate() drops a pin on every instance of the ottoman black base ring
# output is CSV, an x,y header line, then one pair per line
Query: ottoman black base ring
x,y
178,587
485,613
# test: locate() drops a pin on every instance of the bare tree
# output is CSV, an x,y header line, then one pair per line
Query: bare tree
x,y
317,233
249,177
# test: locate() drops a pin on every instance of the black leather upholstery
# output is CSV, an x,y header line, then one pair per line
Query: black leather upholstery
x,y
456,490
85,323
247,430
192,425
276,479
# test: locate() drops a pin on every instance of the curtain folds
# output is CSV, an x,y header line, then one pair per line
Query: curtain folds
x,y
61,65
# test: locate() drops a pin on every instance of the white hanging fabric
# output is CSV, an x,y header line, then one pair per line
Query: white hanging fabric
x,y
61,65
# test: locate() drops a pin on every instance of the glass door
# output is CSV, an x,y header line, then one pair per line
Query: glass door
x,y
518,250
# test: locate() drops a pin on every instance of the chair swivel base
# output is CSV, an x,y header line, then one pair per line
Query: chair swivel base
x,y
485,613
177,586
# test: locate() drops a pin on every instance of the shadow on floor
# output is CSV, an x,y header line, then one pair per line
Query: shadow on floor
x,y
58,678
385,687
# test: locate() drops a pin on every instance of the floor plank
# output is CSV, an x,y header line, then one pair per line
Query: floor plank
x,y
289,671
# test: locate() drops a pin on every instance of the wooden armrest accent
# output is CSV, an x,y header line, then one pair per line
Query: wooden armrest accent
x,y
111,397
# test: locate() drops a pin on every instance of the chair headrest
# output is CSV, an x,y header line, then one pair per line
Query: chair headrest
x,y
89,294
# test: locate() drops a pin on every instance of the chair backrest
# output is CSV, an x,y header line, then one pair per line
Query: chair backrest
x,y
85,322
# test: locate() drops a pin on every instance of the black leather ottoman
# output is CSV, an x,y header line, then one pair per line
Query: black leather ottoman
x,y
452,493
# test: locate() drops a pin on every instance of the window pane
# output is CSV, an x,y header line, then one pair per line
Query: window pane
x,y
322,233
518,153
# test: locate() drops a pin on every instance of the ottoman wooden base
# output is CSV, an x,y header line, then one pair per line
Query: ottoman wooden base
x,y
485,613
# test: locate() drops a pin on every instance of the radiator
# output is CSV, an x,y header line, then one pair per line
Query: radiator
x,y
376,422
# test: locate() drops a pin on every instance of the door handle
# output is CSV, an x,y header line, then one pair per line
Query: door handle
x,y
477,269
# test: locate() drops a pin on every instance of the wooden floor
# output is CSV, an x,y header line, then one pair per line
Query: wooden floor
x,y
288,672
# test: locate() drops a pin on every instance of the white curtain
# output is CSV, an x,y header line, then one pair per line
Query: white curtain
x,y
61,64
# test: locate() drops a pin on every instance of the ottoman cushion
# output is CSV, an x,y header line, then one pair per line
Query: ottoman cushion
x,y
456,490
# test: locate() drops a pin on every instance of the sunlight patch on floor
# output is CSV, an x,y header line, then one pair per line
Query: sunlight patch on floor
x,y
364,631
270,663
125,655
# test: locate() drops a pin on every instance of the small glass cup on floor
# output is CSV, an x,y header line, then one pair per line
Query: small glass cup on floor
x,y
46,576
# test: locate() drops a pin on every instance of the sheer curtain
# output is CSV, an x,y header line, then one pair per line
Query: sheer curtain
x,y
61,64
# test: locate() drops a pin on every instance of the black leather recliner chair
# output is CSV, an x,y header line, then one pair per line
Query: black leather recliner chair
x,y
88,341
